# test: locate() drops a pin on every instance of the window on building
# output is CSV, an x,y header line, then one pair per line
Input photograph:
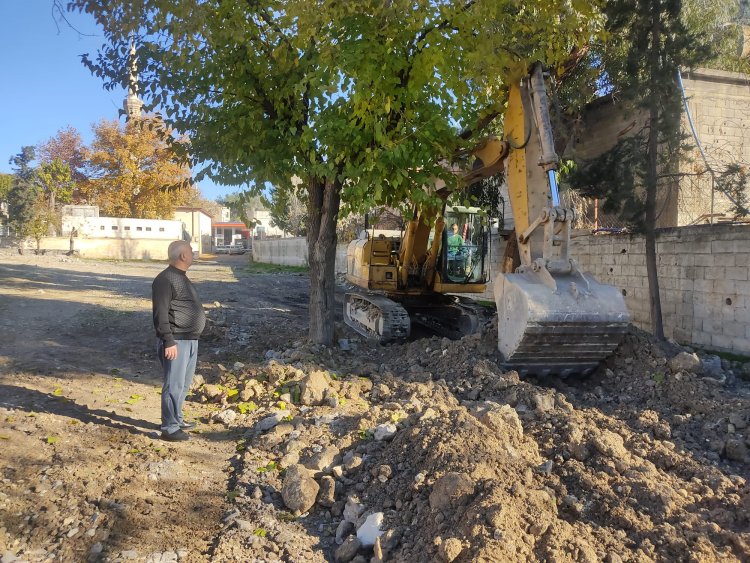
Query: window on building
x,y
139,228
148,228
127,228
114,227
101,228
161,229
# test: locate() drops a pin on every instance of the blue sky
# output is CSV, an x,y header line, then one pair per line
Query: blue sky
x,y
45,87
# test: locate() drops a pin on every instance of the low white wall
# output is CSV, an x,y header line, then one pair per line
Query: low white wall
x,y
106,248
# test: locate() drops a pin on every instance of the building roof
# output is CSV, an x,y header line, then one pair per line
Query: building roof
x,y
186,208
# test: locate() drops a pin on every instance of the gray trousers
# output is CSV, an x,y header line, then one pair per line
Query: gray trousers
x,y
177,378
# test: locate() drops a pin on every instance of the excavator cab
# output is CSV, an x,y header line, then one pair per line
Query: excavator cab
x,y
464,246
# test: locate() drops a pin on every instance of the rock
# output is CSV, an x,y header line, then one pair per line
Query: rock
x,y
212,392
292,458
323,460
546,467
735,450
314,387
129,554
610,444
685,362
370,530
244,525
271,421
738,420
197,382
450,549
712,366
352,460
8,557
344,344
299,490
327,494
226,417
544,402
94,551
238,366
385,431
347,550
250,390
343,530
451,490
500,419
352,510
612,557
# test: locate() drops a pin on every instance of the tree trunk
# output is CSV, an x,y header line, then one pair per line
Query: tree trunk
x,y
323,207
651,177
51,230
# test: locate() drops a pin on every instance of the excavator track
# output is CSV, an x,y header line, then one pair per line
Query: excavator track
x,y
453,320
376,317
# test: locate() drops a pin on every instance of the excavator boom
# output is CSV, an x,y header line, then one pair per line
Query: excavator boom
x,y
552,317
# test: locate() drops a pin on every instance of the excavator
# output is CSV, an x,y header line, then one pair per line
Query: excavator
x,y
553,319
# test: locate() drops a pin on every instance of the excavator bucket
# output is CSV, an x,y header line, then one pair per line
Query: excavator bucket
x,y
570,329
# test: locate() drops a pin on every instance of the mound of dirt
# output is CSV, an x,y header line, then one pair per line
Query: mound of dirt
x,y
430,451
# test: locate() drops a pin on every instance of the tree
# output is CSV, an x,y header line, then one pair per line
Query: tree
x,y
288,212
66,146
6,183
23,195
359,100
56,185
135,172
648,47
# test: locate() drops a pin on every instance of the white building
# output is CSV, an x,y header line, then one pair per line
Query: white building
x,y
196,224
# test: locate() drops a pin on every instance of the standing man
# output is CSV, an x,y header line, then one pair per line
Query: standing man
x,y
179,321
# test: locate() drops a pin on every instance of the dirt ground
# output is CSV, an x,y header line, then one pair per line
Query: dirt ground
x,y
425,451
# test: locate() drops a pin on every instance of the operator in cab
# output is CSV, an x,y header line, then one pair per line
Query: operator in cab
x,y
455,241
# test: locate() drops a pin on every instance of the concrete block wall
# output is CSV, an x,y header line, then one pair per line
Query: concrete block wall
x,y
285,251
704,274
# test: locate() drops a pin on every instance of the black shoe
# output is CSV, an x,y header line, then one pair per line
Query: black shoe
x,y
176,436
187,425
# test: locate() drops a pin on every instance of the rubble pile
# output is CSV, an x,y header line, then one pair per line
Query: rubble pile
x,y
430,451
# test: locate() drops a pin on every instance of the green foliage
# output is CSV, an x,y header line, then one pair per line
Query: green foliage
x,y
23,195
647,45
362,101
733,180
270,466
6,183
288,211
56,181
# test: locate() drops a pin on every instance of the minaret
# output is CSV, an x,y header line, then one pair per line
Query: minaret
x,y
132,104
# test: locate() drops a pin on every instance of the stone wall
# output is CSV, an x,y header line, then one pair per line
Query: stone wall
x,y
703,277
719,104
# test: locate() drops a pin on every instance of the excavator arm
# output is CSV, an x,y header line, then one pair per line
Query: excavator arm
x,y
553,318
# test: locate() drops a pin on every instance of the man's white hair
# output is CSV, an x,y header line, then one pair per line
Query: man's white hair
x,y
176,249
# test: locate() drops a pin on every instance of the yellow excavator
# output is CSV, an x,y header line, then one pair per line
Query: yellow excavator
x,y
553,319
